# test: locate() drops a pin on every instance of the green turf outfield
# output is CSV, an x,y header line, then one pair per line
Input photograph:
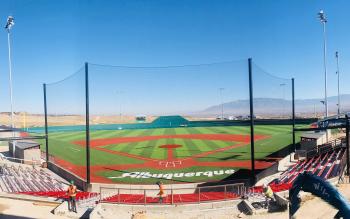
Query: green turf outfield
x,y
62,146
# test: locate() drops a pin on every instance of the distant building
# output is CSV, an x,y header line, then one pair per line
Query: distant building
x,y
141,118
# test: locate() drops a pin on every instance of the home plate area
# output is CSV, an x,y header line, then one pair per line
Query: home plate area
x,y
170,164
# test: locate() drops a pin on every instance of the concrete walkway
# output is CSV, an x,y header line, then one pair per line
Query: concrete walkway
x,y
16,209
312,207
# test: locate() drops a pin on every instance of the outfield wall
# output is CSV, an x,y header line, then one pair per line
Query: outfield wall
x,y
300,121
267,172
69,176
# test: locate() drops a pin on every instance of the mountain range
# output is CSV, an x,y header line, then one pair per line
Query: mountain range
x,y
273,106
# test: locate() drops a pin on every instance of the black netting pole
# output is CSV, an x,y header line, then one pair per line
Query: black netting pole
x,y
293,114
251,107
46,128
87,123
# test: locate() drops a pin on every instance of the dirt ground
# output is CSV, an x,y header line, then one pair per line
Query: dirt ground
x,y
23,120
316,208
10,208
312,208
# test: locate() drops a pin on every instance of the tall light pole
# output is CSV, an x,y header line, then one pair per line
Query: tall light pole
x,y
222,103
323,20
9,25
337,57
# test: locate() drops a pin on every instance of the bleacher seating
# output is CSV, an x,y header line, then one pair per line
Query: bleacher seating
x,y
32,180
26,179
326,165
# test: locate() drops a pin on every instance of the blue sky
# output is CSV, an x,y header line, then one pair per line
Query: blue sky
x,y
52,39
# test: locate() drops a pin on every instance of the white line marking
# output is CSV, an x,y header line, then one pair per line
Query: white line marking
x,y
74,149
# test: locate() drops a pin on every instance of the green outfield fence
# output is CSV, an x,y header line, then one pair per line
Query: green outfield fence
x,y
104,97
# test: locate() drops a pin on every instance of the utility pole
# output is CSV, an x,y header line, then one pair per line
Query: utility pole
x,y
323,20
9,25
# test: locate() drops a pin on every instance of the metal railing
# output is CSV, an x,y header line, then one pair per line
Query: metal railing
x,y
90,201
172,196
342,178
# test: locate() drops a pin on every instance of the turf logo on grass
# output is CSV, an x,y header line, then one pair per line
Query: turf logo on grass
x,y
161,154
146,175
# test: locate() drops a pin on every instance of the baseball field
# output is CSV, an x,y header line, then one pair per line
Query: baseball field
x,y
174,155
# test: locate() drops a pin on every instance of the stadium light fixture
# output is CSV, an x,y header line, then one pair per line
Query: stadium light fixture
x,y
9,24
323,20
338,74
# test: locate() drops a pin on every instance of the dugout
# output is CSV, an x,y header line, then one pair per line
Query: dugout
x,y
25,149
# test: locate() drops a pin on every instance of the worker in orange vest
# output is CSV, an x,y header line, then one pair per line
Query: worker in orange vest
x,y
72,192
268,193
161,191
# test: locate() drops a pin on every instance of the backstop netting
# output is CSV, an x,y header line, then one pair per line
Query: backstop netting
x,y
176,124
273,113
159,123
66,123
272,95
